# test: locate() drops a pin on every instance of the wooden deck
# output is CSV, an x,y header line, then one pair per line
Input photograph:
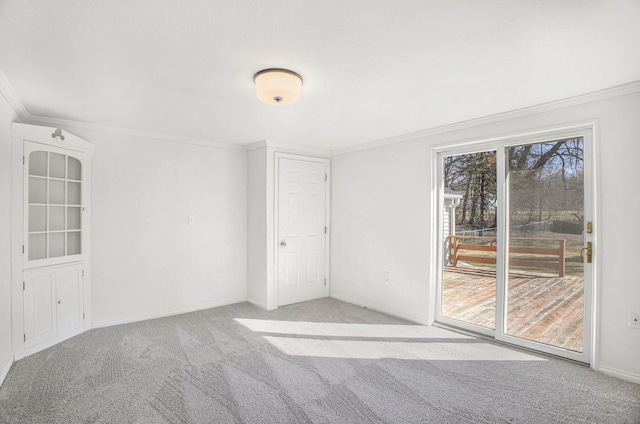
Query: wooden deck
x,y
546,309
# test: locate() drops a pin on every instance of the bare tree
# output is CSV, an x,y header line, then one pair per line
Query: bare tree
x,y
546,182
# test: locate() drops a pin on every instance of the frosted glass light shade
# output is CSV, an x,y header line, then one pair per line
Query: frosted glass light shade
x,y
278,86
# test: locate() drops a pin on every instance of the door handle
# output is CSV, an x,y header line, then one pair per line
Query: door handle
x,y
59,302
283,243
589,253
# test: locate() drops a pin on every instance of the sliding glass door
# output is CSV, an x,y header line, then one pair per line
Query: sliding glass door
x,y
469,239
516,241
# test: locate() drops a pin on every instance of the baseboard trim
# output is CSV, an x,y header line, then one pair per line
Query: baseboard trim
x,y
137,318
5,369
258,304
623,375
373,307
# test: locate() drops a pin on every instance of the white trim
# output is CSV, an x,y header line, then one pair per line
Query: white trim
x,y
541,134
163,314
7,91
254,302
435,234
607,93
437,192
5,369
327,216
256,146
596,273
290,148
623,375
373,307
108,129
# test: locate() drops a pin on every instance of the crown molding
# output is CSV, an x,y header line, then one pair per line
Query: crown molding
x,y
607,93
290,148
7,91
108,129
256,146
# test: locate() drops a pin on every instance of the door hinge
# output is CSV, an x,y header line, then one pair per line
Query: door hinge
x,y
83,318
23,286
325,177
325,281
23,160
325,229
24,338
83,272
23,249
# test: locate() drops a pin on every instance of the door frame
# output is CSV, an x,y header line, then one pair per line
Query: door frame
x,y
439,153
588,130
276,219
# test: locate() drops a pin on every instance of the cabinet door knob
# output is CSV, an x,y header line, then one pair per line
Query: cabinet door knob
x,y
59,302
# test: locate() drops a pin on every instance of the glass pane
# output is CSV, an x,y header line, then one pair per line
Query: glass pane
x,y
56,192
73,243
73,218
75,169
469,242
545,282
56,218
38,164
37,246
37,190
56,245
73,193
37,218
57,165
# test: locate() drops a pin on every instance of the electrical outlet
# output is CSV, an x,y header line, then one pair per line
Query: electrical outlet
x,y
634,319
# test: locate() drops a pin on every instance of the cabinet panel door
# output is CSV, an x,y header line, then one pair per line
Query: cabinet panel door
x,y
40,321
70,299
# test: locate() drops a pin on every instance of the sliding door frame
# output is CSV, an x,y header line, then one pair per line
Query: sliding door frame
x,y
439,155
588,132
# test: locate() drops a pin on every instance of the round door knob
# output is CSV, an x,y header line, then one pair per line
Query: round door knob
x,y
59,302
283,243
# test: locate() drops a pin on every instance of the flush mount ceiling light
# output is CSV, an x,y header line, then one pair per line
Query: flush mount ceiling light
x,y
278,86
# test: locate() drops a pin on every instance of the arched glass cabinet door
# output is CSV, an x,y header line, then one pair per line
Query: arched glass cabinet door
x,y
54,200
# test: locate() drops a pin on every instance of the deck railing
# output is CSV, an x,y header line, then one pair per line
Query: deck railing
x,y
455,254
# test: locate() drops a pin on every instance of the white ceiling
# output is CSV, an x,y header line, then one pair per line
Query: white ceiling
x,y
372,69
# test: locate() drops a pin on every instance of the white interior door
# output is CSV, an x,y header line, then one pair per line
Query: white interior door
x,y
301,230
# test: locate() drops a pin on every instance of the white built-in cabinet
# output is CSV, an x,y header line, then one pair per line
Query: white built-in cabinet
x,y
53,304
50,237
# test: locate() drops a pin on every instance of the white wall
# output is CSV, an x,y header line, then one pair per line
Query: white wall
x,y
257,227
379,223
381,217
146,260
7,115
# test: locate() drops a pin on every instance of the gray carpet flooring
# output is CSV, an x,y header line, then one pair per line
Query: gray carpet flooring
x,y
323,361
